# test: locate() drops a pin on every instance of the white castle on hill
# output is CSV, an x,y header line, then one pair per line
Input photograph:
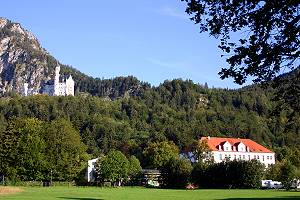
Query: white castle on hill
x,y
54,87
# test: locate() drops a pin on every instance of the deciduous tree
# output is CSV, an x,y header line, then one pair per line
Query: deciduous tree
x,y
114,167
158,154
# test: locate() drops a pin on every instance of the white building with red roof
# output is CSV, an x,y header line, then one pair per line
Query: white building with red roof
x,y
239,149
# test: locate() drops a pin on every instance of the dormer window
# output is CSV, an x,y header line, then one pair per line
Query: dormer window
x,y
241,147
226,146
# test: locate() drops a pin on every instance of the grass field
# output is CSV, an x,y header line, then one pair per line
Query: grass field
x,y
96,193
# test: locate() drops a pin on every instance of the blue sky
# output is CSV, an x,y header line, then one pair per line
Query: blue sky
x,y
153,40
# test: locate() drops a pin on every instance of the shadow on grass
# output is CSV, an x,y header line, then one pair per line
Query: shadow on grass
x,y
267,198
80,198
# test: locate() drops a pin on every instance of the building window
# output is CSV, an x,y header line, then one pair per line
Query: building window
x,y
267,157
270,157
257,157
226,148
249,157
220,156
254,156
235,157
244,157
263,157
240,157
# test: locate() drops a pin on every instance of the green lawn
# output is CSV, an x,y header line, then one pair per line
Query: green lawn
x,y
95,193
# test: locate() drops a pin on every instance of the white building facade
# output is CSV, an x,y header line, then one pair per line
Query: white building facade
x,y
53,87
91,170
238,149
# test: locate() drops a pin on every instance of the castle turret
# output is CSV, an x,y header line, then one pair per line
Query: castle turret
x,y
25,89
56,81
70,86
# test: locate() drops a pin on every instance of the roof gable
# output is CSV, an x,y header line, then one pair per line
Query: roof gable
x,y
214,142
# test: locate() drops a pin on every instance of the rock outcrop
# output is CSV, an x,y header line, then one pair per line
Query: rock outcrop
x,y
22,59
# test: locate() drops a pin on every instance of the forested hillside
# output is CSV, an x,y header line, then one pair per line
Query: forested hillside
x,y
178,111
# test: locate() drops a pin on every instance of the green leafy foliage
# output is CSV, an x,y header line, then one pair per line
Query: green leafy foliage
x,y
134,167
158,154
65,150
114,167
35,150
176,173
229,174
283,171
23,150
261,42
268,35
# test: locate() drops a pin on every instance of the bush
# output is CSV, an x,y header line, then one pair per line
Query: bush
x,y
198,175
283,171
176,173
229,174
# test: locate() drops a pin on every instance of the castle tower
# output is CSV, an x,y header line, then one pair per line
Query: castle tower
x,y
56,81
25,89
70,86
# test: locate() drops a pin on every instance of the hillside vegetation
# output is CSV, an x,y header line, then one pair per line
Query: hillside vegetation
x,y
178,111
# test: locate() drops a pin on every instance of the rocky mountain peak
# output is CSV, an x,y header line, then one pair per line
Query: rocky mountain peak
x,y
22,59
3,22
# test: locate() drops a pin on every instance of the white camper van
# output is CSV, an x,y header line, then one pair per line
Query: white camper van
x,y
270,184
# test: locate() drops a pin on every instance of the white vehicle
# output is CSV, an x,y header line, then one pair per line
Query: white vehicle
x,y
270,184
296,184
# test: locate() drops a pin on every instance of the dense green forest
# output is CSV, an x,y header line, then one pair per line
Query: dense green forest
x,y
36,130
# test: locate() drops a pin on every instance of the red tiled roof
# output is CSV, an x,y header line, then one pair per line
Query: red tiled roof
x,y
213,143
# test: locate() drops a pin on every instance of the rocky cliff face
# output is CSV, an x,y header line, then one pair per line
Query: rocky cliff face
x,y
22,59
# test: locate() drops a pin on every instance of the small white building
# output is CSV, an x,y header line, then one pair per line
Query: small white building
x,y
90,172
238,149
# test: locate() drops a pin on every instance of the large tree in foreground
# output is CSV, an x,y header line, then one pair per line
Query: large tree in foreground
x,y
66,154
114,167
268,35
